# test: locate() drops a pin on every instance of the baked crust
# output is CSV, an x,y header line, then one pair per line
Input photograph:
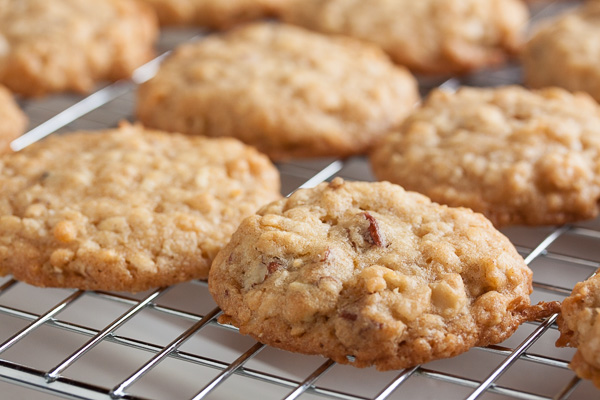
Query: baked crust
x,y
579,325
517,156
70,45
270,86
369,274
429,36
13,120
125,209
565,52
215,14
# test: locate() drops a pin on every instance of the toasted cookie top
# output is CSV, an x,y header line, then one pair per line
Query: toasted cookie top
x,y
69,45
518,156
12,120
565,52
579,325
370,274
125,209
216,14
287,91
432,36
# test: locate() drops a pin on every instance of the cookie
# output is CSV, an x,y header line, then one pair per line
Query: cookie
x,y
579,325
215,14
70,45
13,120
429,36
271,86
517,156
369,274
564,52
125,209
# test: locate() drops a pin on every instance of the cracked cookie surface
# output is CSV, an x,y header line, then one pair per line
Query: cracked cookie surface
x,y
371,273
270,86
70,45
579,325
517,156
125,209
13,120
431,36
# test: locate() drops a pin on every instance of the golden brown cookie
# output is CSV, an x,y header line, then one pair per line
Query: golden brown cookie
x,y
369,274
69,45
125,209
565,52
287,91
517,156
430,36
12,120
579,325
216,14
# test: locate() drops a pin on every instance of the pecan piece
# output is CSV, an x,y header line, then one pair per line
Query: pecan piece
x,y
348,315
374,232
273,266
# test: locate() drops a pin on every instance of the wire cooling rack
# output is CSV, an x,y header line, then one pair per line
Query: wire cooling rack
x,y
167,344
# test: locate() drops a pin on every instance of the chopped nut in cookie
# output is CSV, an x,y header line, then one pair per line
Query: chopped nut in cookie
x,y
379,274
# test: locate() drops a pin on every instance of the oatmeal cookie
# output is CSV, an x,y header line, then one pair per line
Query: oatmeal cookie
x,y
579,325
369,274
271,86
430,36
69,45
125,209
12,120
215,14
517,156
565,52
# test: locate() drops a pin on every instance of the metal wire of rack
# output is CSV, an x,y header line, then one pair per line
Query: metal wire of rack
x,y
167,343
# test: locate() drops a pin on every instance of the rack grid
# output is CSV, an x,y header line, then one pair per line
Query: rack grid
x,y
167,343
